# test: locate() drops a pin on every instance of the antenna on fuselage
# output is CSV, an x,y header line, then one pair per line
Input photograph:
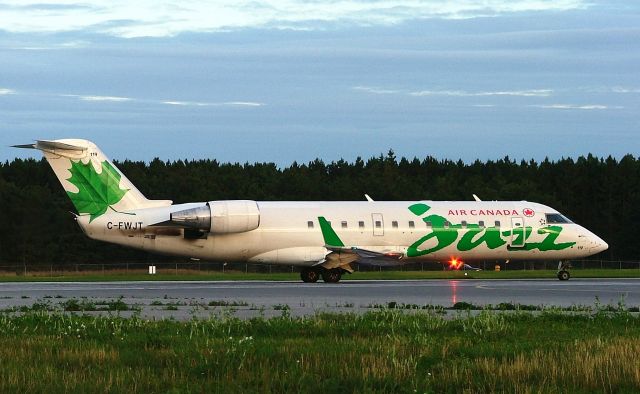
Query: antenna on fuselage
x,y
368,198
476,197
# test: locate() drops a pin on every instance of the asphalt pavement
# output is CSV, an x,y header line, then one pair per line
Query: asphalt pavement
x,y
182,299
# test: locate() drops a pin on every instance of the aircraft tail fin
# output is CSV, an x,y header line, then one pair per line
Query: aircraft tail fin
x,y
92,182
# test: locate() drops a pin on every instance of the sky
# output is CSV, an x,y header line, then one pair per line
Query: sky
x,y
283,80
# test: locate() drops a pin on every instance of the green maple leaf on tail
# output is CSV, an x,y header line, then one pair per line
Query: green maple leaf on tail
x,y
96,191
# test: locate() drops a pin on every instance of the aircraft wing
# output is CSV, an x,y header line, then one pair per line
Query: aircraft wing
x,y
369,257
341,255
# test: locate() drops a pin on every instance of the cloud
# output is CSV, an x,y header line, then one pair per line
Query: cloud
x,y
34,48
42,6
200,104
160,18
375,90
244,103
167,102
573,106
511,93
462,93
183,103
621,89
458,93
119,99
6,91
104,98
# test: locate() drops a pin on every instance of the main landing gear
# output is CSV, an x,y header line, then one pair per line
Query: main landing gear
x,y
563,270
312,274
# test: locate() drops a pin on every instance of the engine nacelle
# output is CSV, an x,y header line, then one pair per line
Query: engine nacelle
x,y
234,216
220,217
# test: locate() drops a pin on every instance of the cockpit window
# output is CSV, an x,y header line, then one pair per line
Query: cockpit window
x,y
556,218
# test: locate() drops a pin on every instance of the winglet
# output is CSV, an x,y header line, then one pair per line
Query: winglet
x,y
330,236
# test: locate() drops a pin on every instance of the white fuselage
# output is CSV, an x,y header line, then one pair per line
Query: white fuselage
x,y
289,232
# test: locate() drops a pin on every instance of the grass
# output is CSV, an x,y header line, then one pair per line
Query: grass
x,y
76,305
380,351
186,275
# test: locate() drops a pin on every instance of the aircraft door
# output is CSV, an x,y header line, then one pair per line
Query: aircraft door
x,y
378,224
517,232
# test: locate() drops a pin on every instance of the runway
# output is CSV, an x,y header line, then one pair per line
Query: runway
x,y
302,299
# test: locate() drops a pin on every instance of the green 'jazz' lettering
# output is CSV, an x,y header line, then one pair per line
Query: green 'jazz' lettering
x,y
444,235
491,237
548,243
476,236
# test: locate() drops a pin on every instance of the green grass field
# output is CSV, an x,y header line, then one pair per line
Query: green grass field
x,y
371,275
383,351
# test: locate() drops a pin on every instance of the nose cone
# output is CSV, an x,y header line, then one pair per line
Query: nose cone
x,y
599,245
595,244
592,243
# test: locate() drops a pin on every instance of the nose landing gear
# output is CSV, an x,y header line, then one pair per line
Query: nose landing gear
x,y
563,270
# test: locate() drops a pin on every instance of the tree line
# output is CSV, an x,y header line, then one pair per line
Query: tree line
x,y
602,194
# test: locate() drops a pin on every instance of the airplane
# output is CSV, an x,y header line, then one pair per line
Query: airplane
x,y
322,238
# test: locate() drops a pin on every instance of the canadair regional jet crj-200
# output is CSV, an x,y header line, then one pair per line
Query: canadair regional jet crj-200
x,y
323,238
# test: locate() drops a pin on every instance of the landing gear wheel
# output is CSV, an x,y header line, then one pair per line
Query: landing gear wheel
x,y
309,275
563,270
332,275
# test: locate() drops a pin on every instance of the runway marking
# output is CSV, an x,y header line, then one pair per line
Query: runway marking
x,y
568,289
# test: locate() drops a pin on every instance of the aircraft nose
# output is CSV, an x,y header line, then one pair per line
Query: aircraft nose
x,y
598,244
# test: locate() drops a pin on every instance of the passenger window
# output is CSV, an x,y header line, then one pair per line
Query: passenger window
x,y
394,224
310,224
378,224
344,224
481,223
412,224
446,224
428,224
464,224
497,223
361,224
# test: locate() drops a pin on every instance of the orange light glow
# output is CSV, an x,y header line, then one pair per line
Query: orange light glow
x,y
455,264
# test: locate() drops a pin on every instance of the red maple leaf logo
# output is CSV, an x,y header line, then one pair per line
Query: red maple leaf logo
x,y
528,212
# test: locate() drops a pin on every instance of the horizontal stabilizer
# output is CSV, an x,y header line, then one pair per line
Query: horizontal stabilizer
x,y
57,148
25,146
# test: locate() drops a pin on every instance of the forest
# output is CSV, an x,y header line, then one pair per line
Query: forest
x,y
602,194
